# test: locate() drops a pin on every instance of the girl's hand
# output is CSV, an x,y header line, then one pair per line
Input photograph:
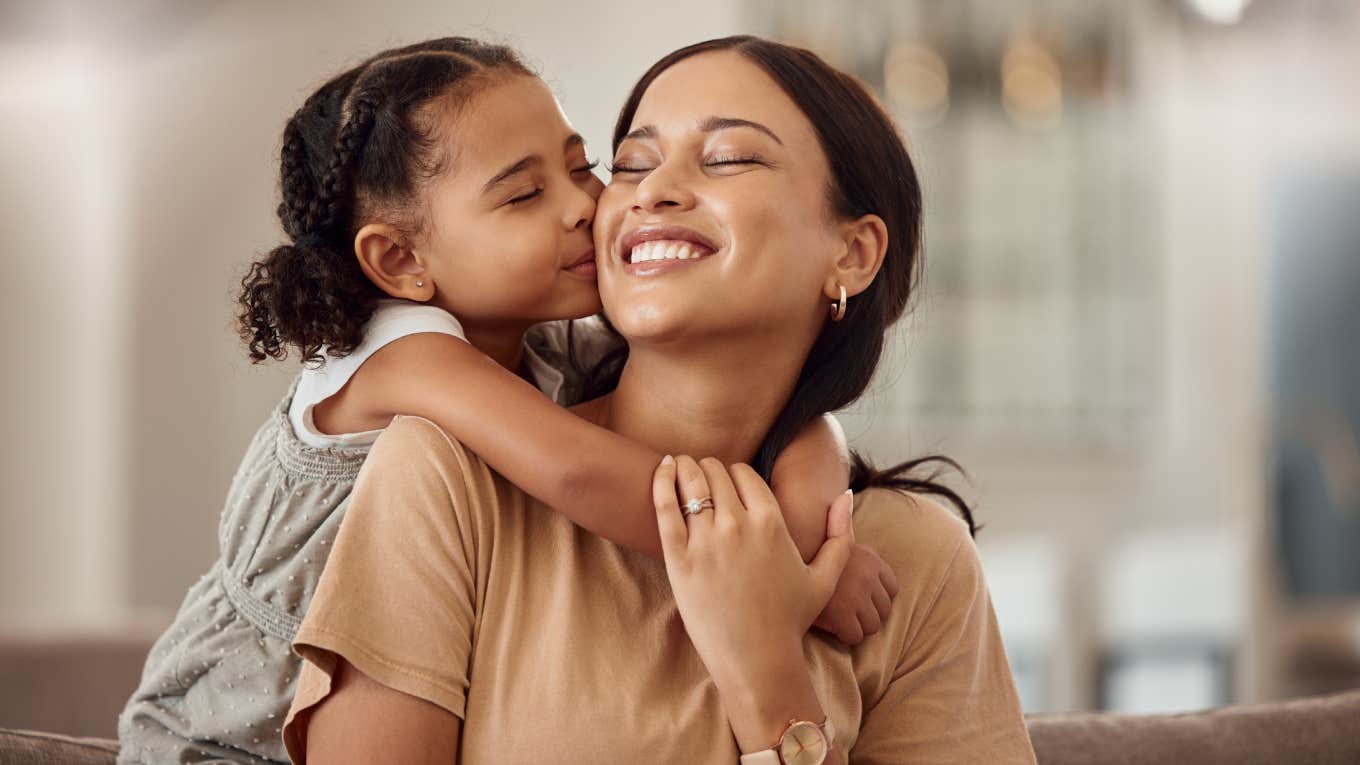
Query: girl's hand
x,y
744,593
862,600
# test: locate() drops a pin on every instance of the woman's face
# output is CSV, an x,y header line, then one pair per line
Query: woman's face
x,y
717,220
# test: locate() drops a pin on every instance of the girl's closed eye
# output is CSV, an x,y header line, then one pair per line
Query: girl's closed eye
x,y
526,196
530,194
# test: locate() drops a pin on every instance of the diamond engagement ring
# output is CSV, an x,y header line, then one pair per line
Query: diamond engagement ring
x,y
698,505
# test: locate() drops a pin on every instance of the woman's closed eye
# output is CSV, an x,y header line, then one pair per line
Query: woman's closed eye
x,y
624,168
730,160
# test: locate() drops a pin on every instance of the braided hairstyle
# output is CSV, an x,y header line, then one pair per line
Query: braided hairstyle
x,y
362,147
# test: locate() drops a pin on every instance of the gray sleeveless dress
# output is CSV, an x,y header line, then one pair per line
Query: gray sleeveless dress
x,y
218,682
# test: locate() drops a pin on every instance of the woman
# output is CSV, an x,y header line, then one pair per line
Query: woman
x,y
475,621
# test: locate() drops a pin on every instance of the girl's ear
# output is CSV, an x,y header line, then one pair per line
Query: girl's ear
x,y
390,264
865,241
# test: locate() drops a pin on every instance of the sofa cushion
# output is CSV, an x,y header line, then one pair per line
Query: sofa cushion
x,y
1319,731
26,747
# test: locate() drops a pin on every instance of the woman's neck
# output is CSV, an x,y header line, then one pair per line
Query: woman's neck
x,y
713,402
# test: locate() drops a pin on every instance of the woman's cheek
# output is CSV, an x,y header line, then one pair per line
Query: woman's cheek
x,y
612,203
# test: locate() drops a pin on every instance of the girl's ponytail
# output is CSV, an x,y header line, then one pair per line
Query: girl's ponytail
x,y
304,296
311,294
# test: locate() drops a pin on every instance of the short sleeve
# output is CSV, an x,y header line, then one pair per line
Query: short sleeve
x,y
392,320
951,697
398,596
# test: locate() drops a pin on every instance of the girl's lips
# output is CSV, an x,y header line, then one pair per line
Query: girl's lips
x,y
585,268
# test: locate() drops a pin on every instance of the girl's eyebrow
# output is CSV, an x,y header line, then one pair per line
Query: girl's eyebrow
x,y
524,163
708,125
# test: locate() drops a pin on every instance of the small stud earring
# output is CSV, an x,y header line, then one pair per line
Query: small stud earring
x,y
420,283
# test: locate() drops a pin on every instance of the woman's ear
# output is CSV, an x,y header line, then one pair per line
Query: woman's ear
x,y
865,241
390,264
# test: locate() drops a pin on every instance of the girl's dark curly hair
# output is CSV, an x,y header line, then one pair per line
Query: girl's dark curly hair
x,y
361,147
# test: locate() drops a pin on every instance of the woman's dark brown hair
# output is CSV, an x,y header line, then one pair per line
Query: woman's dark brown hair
x,y
871,173
361,147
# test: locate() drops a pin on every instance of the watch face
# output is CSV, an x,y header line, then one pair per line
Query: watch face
x,y
803,744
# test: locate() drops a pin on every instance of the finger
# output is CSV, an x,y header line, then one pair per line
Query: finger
x,y
693,485
825,621
669,522
727,504
835,551
869,620
852,634
882,602
755,494
889,579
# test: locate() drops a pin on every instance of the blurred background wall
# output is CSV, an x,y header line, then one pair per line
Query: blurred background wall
x,y
1136,330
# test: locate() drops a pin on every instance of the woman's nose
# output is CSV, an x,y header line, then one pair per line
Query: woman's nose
x,y
663,188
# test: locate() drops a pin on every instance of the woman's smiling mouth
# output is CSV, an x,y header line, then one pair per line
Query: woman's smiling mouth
x,y
648,251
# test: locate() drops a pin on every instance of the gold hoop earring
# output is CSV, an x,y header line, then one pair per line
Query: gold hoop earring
x,y
838,306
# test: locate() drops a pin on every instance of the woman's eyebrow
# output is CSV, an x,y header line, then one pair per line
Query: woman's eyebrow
x,y
527,162
709,125
713,124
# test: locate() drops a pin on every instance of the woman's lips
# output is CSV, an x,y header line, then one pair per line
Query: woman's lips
x,y
654,267
655,256
653,234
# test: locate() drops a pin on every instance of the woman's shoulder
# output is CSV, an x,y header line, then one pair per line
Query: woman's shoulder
x,y
926,521
407,433
411,444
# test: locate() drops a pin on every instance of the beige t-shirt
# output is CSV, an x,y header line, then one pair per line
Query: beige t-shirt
x,y
554,645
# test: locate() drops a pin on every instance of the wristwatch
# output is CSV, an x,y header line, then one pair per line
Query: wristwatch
x,y
801,743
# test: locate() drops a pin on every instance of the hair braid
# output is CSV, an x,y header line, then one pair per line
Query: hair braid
x,y
295,179
332,198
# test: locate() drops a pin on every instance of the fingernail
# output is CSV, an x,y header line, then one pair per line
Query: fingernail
x,y
668,460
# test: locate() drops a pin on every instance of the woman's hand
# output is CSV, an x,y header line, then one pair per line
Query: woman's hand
x,y
744,593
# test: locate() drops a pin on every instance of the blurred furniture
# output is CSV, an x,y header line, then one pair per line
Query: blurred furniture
x,y
78,686
75,683
1324,730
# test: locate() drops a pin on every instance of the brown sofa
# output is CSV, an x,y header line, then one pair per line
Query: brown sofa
x,y
37,677
1317,731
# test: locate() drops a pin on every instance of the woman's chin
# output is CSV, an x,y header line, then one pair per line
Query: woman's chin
x,y
649,323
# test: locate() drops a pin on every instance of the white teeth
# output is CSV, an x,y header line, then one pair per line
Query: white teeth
x,y
663,250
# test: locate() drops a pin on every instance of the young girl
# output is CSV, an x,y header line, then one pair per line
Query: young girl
x,y
430,182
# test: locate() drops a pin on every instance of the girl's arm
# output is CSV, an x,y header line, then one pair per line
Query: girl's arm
x,y
599,479
808,476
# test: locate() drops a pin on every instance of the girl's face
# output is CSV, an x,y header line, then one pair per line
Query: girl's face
x,y
508,240
720,165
